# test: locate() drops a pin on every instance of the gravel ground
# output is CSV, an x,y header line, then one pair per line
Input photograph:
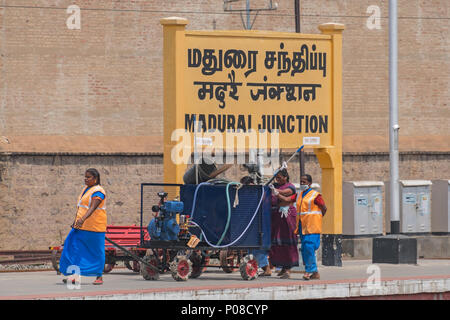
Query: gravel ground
x,y
37,266
26,267
48,266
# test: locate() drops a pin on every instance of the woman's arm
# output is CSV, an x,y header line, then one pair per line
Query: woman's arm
x,y
285,198
94,205
286,192
323,208
286,195
321,204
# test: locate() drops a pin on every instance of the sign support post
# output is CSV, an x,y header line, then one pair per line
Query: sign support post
x,y
394,248
173,90
330,159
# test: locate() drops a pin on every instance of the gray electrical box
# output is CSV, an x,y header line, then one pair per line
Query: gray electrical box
x,y
362,208
440,218
415,206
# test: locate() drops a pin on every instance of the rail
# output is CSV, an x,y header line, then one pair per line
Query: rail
x,y
25,256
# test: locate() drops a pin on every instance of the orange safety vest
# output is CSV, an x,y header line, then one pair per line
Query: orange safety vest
x,y
97,220
309,213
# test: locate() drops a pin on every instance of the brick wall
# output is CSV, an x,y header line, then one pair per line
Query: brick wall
x,y
98,90
38,192
105,80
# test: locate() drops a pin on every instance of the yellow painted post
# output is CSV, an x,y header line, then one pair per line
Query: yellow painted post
x,y
330,158
174,58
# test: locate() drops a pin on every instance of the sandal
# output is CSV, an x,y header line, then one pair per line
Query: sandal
x,y
265,274
97,281
307,276
65,281
285,275
282,272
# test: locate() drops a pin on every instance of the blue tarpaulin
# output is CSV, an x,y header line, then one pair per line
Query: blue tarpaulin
x,y
211,214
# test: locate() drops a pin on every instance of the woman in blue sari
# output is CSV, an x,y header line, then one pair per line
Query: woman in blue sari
x,y
84,247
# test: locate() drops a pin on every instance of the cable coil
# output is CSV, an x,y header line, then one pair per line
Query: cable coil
x,y
228,218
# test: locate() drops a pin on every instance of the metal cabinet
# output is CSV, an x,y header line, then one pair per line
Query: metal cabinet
x,y
415,207
440,207
362,204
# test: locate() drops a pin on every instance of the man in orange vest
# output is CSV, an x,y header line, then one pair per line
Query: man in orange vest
x,y
310,210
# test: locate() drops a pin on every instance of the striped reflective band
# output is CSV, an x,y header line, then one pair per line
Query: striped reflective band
x,y
87,207
311,198
311,212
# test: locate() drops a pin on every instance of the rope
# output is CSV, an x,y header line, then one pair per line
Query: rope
x,y
238,238
236,198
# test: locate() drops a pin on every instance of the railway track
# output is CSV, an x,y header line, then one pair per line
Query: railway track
x,y
28,258
28,261
25,256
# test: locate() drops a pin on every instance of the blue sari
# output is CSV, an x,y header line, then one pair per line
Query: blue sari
x,y
84,250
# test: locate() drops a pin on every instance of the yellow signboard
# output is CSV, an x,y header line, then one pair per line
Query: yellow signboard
x,y
261,85
244,81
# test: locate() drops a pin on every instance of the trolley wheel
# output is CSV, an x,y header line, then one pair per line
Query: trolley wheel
x,y
108,267
180,268
228,260
249,268
206,260
128,265
199,263
136,266
55,261
133,265
147,272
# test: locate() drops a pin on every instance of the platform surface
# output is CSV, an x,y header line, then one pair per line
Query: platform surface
x,y
428,279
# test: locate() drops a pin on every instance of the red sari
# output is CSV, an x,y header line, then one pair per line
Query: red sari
x,y
283,252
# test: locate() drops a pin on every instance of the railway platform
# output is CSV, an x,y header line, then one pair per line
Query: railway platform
x,y
355,279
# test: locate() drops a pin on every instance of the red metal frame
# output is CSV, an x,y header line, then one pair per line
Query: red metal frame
x,y
251,268
126,236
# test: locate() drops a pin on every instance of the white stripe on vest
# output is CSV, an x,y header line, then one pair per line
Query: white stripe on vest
x,y
90,199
